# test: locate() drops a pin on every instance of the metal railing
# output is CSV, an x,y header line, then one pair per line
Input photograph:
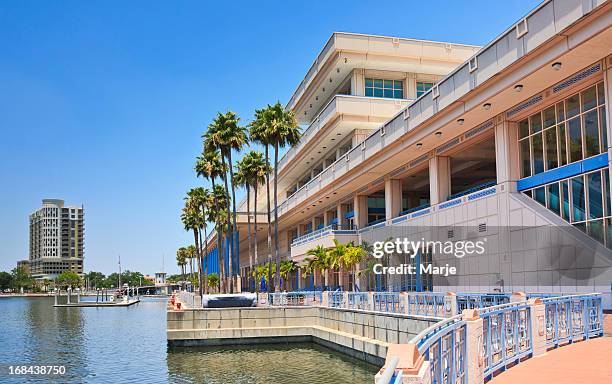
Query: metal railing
x,y
187,298
295,299
444,346
575,317
358,300
481,300
335,299
506,335
322,232
387,302
427,304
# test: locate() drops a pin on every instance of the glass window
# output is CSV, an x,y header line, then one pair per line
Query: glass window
x,y
525,158
607,189
588,99
553,198
595,229
540,195
595,205
384,88
603,129
572,106
591,133
551,148
422,87
560,112
535,121
523,128
537,152
578,199
562,147
609,233
565,213
575,140
601,98
549,117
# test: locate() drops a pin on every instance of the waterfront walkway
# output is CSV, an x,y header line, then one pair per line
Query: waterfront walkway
x,y
581,362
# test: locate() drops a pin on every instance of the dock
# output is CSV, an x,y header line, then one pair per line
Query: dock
x,y
119,303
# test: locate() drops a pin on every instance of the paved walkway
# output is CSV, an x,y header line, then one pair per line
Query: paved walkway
x,y
583,362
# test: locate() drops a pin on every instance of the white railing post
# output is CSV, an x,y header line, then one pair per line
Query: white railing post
x,y
450,304
405,358
404,302
538,326
474,358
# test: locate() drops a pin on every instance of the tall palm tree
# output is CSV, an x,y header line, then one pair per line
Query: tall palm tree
x,y
320,260
225,134
258,130
260,169
283,131
209,166
191,254
193,220
221,226
195,200
242,179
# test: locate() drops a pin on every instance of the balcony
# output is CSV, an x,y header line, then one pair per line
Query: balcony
x,y
324,237
383,108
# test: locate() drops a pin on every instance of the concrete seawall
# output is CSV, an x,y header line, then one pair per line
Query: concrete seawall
x,y
362,334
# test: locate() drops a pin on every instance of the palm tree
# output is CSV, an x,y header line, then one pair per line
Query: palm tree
x,y
353,256
191,254
218,217
242,178
201,200
258,130
287,267
283,131
320,259
181,262
193,220
194,201
226,135
260,169
209,166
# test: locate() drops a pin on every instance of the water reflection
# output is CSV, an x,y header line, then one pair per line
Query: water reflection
x,y
289,363
127,345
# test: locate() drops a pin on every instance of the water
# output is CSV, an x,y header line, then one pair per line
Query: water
x,y
127,345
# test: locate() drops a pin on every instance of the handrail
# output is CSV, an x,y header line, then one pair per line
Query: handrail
x,y
389,371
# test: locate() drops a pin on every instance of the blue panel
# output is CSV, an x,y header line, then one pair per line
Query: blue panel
x,y
376,210
564,172
335,221
349,214
595,162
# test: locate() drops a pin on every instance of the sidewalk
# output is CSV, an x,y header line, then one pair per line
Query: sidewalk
x,y
582,362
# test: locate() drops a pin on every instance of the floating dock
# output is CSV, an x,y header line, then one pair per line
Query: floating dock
x,y
118,303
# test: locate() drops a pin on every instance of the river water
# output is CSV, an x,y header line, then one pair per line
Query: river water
x,y
128,345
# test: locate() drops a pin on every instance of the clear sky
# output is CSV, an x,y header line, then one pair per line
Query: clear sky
x,y
102,103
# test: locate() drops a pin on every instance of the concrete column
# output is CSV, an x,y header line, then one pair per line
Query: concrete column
x,y
313,223
325,219
507,153
538,326
360,135
410,87
393,198
439,179
360,205
473,340
358,82
340,214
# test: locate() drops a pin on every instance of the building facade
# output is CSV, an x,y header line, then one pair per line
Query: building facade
x,y
508,142
56,239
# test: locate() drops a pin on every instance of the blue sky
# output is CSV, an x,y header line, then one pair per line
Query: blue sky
x,y
103,103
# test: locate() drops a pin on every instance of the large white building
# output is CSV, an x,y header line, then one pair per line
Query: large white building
x,y
508,142
56,239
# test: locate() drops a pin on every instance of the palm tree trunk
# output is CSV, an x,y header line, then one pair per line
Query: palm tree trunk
x,y
204,256
276,254
255,233
248,191
235,227
230,230
269,223
196,236
220,261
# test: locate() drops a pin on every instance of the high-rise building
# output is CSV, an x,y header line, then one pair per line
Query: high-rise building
x,y
56,239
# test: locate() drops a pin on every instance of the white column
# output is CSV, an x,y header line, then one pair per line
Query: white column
x,y
393,198
358,82
325,219
439,179
340,214
360,204
507,153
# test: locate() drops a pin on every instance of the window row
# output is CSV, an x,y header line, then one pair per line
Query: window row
x,y
569,131
579,200
422,87
384,88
